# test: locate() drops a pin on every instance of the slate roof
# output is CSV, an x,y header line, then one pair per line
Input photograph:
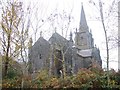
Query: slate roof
x,y
85,53
41,40
58,39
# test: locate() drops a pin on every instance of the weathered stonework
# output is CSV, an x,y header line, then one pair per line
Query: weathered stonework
x,y
51,54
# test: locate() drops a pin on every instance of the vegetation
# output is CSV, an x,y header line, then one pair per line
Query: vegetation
x,y
85,78
15,41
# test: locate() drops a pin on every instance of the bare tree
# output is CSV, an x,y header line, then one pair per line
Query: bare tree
x,y
24,40
106,37
61,22
105,28
37,18
9,24
15,35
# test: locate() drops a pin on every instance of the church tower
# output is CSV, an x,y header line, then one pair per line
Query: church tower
x,y
83,38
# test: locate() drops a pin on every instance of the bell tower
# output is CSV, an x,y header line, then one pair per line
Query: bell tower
x,y
83,38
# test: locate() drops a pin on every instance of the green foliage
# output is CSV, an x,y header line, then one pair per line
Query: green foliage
x,y
42,75
117,77
13,68
11,83
84,79
41,79
54,82
11,73
66,82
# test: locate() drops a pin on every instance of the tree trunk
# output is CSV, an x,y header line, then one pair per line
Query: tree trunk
x,y
63,62
7,56
106,39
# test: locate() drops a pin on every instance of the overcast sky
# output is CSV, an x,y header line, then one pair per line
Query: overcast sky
x,y
47,7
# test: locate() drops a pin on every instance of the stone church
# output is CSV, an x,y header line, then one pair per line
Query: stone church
x,y
55,52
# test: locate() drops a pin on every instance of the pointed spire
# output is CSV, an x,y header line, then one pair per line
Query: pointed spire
x,y
95,45
90,31
71,37
83,22
55,29
76,30
98,50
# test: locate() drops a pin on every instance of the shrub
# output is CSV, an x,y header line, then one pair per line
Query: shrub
x,y
66,82
84,77
54,82
11,83
41,78
12,73
117,77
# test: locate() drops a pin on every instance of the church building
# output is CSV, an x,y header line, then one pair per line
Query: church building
x,y
58,52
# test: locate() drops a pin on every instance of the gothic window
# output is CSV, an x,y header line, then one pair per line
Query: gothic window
x,y
40,56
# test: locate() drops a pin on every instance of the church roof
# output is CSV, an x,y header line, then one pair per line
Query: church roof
x,y
85,53
57,38
41,40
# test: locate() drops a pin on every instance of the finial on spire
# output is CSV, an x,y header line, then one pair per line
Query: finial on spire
x,y
82,3
55,29
71,36
40,33
70,33
90,31
95,45
76,29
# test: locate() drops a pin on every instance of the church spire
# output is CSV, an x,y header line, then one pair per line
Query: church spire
x,y
83,22
71,37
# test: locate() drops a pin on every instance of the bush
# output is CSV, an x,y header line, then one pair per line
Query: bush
x,y
117,77
66,82
85,78
12,73
54,82
11,83
41,78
